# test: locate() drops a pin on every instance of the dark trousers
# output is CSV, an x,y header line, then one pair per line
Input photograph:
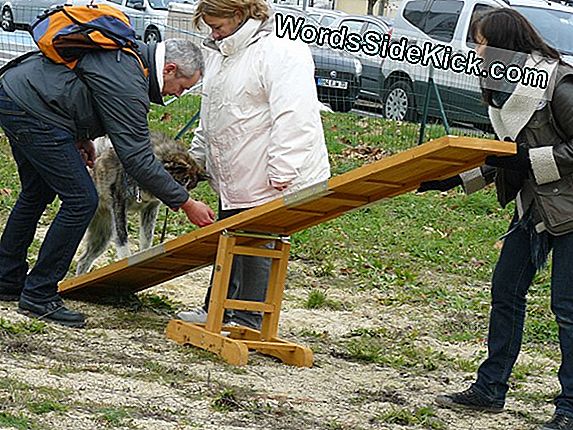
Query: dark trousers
x,y
49,165
249,281
512,277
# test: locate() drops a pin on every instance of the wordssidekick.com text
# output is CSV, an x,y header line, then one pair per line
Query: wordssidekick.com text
x,y
429,54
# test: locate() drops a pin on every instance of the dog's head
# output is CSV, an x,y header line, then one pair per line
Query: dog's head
x,y
177,161
185,170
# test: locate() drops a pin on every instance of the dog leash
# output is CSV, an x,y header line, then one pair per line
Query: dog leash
x,y
187,126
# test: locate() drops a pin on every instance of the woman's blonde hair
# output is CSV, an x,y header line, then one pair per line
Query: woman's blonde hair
x,y
256,9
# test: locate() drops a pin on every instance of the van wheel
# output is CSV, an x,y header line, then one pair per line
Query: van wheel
x,y
152,35
399,102
7,22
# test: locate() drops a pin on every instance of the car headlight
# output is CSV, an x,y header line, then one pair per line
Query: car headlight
x,y
357,66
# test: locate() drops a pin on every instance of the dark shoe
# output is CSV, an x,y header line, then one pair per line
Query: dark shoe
x,y
559,422
53,311
469,399
10,294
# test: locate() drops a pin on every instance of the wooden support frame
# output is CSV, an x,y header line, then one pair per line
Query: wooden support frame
x,y
233,343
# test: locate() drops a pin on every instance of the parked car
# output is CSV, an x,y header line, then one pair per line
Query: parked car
x,y
324,17
372,77
447,22
18,14
337,73
148,17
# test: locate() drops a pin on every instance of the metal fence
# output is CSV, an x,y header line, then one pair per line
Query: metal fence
x,y
346,82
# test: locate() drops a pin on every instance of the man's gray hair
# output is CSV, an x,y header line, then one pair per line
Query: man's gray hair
x,y
186,55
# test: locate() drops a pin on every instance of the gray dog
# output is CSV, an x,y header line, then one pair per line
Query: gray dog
x,y
119,194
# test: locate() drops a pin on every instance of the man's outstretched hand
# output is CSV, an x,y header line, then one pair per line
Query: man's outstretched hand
x,y
198,213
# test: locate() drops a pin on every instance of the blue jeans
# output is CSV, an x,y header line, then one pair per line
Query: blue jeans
x,y
512,277
249,281
49,165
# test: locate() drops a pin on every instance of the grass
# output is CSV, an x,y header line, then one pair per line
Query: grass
x,y
226,401
317,299
425,262
45,406
28,326
15,421
114,417
399,350
424,417
158,302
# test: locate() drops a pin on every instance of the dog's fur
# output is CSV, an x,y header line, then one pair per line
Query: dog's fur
x,y
119,194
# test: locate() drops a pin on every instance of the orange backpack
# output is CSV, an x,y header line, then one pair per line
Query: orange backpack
x,y
65,33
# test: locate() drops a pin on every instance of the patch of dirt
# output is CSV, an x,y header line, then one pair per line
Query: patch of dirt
x,y
122,372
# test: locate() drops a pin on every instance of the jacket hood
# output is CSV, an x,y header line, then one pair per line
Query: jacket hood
x,y
148,54
247,34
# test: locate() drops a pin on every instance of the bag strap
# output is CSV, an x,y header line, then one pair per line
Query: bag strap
x,y
15,61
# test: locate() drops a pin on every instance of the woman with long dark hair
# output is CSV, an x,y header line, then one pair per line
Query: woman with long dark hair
x,y
539,178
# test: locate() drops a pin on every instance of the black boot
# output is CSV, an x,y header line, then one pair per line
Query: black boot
x,y
53,311
10,294
469,399
559,422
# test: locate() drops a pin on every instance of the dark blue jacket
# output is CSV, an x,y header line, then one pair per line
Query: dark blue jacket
x,y
107,93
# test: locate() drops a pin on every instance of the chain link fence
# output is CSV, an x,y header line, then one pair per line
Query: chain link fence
x,y
363,85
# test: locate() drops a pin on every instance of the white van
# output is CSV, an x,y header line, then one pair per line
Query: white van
x,y
447,23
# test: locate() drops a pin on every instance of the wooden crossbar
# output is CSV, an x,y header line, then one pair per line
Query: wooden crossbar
x,y
221,241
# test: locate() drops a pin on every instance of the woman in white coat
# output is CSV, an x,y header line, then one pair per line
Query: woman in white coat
x,y
260,133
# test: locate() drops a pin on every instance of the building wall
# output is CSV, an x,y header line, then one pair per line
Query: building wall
x,y
354,7
360,7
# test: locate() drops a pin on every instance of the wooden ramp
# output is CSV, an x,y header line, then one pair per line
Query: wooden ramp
x,y
275,221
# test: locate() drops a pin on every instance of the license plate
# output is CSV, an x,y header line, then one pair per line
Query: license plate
x,y
332,83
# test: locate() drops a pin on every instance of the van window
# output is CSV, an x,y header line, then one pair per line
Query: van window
x,y
375,27
133,3
353,26
479,10
554,26
414,13
327,20
442,19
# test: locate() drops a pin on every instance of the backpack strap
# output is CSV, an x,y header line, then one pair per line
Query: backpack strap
x,y
15,61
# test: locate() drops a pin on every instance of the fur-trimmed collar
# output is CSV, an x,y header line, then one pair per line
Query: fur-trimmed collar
x,y
510,119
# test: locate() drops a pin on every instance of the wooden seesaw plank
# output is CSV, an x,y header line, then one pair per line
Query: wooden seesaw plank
x,y
389,177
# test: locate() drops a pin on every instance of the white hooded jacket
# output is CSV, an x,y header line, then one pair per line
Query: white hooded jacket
x,y
260,122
